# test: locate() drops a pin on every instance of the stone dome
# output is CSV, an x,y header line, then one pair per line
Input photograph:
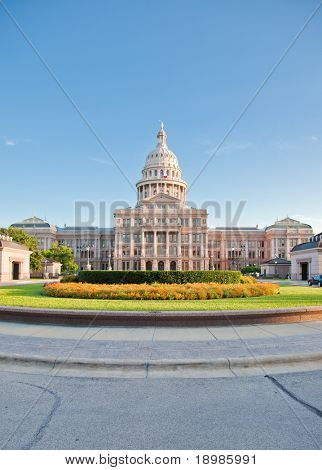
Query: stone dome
x,y
161,156
161,174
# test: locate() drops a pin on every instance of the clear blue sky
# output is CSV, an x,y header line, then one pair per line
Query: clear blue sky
x,y
193,64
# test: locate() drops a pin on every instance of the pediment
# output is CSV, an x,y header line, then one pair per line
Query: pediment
x,y
164,198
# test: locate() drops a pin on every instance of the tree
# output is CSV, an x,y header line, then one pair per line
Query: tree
x,y
251,269
64,255
20,236
36,258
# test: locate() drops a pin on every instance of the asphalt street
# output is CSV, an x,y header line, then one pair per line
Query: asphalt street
x,y
279,412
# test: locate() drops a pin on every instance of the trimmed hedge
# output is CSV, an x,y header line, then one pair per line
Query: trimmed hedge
x,y
70,278
162,277
199,291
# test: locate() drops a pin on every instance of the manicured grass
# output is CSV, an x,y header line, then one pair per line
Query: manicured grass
x,y
30,295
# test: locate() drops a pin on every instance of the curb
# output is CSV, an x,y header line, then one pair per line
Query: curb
x,y
140,368
168,318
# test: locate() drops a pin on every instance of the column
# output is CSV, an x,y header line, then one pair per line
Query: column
x,y
155,259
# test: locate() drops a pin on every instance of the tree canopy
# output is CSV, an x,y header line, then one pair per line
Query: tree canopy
x,y
63,254
20,236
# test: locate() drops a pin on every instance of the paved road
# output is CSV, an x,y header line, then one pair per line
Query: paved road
x,y
222,413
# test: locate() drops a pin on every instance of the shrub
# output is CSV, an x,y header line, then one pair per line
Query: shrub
x,y
70,278
247,280
251,270
162,277
194,291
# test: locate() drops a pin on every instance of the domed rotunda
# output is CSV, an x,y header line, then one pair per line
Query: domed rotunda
x,y
161,174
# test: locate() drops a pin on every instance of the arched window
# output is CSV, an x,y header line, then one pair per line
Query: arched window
x,y
149,266
160,266
173,266
161,173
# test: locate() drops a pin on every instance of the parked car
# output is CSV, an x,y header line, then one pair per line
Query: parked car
x,y
315,280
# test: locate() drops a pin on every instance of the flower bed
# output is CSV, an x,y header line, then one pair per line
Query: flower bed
x,y
198,291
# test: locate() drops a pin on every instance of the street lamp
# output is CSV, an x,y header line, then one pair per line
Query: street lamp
x,y
45,270
109,266
233,257
88,267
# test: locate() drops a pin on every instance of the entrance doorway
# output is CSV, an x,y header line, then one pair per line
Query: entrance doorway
x,y
173,266
15,271
305,271
148,266
160,266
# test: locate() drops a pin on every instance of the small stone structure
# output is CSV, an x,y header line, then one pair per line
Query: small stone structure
x,y
14,260
49,269
276,267
306,259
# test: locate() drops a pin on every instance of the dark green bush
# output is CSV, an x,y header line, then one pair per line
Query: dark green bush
x,y
162,277
70,278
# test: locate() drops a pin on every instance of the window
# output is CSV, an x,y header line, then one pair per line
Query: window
x,y
196,222
280,242
185,265
173,237
196,250
149,250
126,222
161,237
185,222
137,265
126,237
293,242
196,237
137,251
196,266
161,250
125,265
185,250
149,237
185,238
137,237
173,250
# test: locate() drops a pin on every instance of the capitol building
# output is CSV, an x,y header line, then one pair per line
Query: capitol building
x,y
162,233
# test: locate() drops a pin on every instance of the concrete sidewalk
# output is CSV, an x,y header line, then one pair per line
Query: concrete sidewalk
x,y
161,351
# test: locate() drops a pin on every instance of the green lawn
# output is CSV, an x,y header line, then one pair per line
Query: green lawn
x,y
30,295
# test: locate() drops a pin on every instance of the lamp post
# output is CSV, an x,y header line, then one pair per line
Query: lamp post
x,y
109,266
243,249
45,274
233,258
88,267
